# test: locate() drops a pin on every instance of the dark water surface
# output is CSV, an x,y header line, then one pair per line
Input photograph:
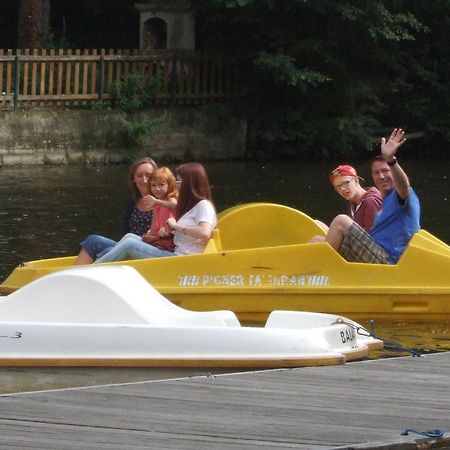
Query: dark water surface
x,y
46,211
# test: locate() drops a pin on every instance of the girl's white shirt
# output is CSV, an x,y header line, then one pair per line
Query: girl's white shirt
x,y
203,211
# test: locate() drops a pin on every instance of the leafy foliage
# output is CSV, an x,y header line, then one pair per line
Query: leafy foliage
x,y
327,74
136,91
138,131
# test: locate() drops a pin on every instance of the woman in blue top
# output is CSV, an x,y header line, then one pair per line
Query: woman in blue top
x,y
138,214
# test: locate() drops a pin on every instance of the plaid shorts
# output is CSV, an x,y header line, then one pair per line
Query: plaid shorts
x,y
358,246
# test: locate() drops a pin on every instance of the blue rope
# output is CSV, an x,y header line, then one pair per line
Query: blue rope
x,y
371,333
431,434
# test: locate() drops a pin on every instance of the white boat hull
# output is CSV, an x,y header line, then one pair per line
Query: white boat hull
x,y
109,316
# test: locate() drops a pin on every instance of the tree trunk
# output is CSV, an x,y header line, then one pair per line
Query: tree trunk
x,y
34,18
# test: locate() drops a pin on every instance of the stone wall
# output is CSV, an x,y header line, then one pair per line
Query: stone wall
x,y
88,136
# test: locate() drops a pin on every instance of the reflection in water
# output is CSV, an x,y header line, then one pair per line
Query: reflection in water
x,y
426,337
46,211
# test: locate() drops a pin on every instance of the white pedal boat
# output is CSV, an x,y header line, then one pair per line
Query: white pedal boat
x,y
110,316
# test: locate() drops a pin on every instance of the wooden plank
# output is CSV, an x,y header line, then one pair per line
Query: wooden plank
x,y
60,74
33,87
51,74
94,73
126,64
109,70
1,72
62,97
42,74
68,70
9,74
76,79
368,403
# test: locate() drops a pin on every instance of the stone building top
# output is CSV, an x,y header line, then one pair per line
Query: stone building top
x,y
166,25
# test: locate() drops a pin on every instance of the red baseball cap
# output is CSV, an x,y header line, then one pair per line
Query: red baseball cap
x,y
343,171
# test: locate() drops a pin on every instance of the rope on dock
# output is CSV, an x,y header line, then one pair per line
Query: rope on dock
x,y
436,433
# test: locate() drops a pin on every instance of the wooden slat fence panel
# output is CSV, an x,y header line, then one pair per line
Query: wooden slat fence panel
x,y
83,77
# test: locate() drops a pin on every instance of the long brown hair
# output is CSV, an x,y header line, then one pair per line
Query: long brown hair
x,y
135,193
194,187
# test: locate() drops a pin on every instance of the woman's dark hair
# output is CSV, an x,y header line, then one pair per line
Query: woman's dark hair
x,y
194,187
135,193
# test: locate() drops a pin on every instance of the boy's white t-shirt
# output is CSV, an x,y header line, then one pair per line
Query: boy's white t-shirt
x,y
203,211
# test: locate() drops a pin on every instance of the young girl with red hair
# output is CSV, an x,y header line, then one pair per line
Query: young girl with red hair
x,y
194,221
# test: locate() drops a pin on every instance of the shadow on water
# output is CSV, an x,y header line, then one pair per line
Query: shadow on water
x,y
46,211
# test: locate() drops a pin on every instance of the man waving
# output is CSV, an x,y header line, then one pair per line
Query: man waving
x,y
395,223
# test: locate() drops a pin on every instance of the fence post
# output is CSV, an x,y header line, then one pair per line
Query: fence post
x,y
173,81
16,81
102,77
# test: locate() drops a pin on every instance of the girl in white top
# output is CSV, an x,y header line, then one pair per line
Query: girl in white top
x,y
192,226
196,216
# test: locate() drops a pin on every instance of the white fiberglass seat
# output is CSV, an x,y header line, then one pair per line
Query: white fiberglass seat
x,y
102,294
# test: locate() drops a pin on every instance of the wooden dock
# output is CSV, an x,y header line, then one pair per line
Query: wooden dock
x,y
357,405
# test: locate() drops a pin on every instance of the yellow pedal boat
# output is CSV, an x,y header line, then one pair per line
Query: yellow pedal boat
x,y
259,260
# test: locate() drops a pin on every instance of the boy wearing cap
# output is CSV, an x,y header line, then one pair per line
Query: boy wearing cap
x,y
394,224
362,203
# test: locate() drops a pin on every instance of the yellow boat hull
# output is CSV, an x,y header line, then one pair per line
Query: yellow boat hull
x,y
259,260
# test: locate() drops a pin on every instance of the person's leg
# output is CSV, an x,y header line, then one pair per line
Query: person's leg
x,y
105,251
359,246
132,247
337,231
83,258
92,246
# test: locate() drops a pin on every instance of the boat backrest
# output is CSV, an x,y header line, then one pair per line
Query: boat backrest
x,y
256,225
426,240
422,240
102,294
214,244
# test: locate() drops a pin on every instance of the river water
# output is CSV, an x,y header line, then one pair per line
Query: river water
x,y
45,211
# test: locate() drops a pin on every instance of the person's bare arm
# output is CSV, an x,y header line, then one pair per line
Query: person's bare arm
x,y
389,149
201,231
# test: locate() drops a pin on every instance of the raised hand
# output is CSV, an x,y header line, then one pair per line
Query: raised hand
x,y
389,148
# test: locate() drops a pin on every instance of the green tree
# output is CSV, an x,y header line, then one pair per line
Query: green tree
x,y
319,73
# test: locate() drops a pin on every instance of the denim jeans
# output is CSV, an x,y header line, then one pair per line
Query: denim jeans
x,y
96,246
133,247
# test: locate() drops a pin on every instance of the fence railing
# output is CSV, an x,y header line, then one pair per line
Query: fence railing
x,y
74,77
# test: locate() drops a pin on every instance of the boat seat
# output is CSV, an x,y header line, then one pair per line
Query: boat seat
x,y
103,294
256,225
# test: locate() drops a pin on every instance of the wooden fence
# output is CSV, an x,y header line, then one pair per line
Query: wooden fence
x,y
75,78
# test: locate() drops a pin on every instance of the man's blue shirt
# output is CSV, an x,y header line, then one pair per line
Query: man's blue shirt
x,y
396,222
